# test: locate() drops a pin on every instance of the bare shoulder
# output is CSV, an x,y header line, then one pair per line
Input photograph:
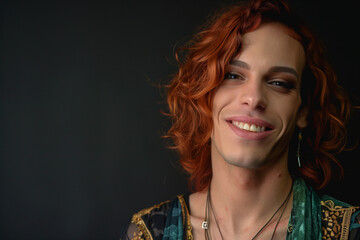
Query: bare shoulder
x,y
197,202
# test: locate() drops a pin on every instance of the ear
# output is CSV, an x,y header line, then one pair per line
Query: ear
x,y
302,121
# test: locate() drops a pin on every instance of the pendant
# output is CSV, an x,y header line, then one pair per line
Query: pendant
x,y
204,225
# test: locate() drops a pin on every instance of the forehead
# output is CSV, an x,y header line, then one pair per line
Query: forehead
x,y
272,44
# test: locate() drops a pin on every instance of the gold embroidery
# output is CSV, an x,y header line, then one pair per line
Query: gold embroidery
x,y
290,228
144,232
137,235
186,217
337,219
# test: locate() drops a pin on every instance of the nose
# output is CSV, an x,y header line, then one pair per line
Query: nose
x,y
254,95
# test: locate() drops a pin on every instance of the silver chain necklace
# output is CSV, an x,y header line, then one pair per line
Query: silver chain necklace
x,y
206,222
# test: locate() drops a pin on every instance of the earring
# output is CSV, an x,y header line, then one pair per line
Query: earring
x,y
298,149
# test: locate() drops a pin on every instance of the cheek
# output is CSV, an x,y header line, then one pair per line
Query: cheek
x,y
288,110
220,100
224,96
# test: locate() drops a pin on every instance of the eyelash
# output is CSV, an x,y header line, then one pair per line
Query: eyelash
x,y
276,83
282,84
232,76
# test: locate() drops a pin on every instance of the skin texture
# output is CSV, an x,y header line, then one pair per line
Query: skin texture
x,y
255,92
250,174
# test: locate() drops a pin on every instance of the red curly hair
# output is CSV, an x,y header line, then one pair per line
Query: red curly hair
x,y
201,71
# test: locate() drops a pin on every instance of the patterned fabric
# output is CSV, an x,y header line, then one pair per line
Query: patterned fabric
x,y
319,218
150,222
174,223
337,219
305,216
312,217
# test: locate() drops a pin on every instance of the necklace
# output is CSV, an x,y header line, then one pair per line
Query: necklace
x,y
206,222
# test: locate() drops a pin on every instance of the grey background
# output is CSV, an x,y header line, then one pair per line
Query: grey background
x,y
80,122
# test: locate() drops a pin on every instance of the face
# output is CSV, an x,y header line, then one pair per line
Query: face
x,y
257,106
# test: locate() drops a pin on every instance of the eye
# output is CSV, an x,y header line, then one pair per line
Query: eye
x,y
282,84
233,76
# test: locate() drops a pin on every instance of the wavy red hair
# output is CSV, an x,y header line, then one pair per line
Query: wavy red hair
x,y
201,71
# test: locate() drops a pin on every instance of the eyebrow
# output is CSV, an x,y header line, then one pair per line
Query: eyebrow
x,y
284,69
240,64
275,69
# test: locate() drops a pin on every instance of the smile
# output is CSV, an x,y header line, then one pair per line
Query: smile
x,y
248,126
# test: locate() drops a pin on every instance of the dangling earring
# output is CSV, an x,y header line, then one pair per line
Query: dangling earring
x,y
298,149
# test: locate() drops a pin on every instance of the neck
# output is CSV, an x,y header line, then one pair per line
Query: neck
x,y
243,197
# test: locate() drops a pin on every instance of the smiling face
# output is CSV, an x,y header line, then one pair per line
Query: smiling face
x,y
256,108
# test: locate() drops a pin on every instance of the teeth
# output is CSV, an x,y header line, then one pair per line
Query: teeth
x,y
248,127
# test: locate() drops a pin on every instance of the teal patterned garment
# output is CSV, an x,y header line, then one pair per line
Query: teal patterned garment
x,y
305,219
174,228
312,218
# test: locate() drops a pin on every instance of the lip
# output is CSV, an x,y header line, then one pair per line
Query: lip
x,y
248,134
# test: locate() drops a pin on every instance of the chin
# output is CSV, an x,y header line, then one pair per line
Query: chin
x,y
249,163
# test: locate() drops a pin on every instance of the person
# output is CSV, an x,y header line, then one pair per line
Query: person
x,y
257,116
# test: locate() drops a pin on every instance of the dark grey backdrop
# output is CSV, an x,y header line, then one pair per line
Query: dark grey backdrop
x,y
80,122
